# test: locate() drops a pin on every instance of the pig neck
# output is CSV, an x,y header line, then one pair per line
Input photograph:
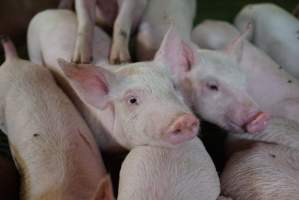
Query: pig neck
x,y
100,122
37,112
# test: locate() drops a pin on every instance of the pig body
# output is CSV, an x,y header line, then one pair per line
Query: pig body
x,y
52,146
266,164
184,172
121,101
158,17
265,171
263,75
275,31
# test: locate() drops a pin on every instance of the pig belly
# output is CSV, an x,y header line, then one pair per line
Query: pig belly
x,y
265,171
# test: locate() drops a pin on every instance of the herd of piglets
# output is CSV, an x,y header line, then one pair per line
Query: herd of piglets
x,y
80,95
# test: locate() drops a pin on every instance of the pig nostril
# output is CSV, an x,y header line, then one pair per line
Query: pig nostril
x,y
177,131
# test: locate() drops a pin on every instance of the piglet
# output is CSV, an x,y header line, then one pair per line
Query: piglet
x,y
213,84
275,31
135,104
263,75
52,146
184,172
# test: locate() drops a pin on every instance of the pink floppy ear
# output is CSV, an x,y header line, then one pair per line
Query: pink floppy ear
x,y
93,84
105,189
175,53
235,48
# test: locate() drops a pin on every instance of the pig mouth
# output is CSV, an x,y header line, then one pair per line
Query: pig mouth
x,y
257,123
254,124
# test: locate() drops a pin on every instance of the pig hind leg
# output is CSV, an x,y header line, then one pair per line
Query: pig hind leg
x,y
146,43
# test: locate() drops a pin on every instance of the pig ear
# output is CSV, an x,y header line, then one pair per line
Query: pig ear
x,y
105,190
235,48
177,55
93,84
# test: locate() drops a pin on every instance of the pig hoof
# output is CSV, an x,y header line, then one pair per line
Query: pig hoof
x,y
119,56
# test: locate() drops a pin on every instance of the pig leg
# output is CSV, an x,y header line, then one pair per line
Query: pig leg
x,y
129,14
146,44
265,171
85,10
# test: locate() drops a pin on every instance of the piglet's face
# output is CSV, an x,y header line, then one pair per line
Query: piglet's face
x,y
213,84
218,93
146,108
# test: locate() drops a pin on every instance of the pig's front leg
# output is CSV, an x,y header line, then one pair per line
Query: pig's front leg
x,y
85,10
129,14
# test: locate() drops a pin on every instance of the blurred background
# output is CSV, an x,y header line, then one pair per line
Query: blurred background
x,y
15,16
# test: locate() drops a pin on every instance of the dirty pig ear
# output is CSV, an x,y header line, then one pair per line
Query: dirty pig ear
x,y
93,84
235,48
176,54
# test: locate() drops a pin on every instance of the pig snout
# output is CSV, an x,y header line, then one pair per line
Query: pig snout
x,y
249,120
183,128
257,122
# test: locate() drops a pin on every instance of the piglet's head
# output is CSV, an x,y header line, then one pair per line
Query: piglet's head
x,y
145,107
212,83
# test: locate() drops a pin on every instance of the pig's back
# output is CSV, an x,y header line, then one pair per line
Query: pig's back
x,y
161,173
265,171
49,140
276,33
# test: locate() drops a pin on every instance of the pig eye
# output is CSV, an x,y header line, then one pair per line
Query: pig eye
x,y
133,100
